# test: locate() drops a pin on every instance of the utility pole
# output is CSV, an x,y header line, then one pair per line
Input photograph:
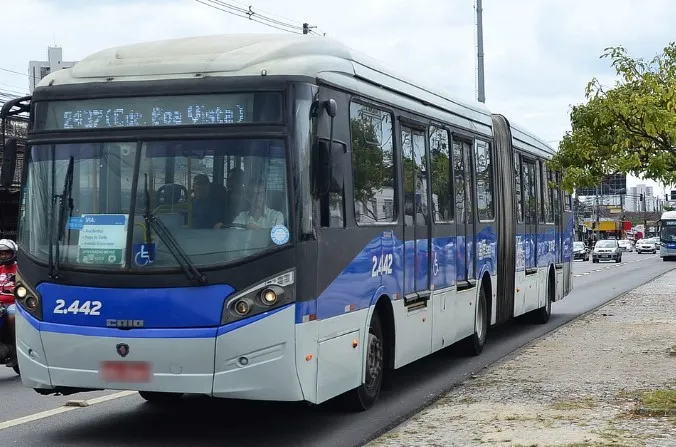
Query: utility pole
x,y
642,198
598,212
481,95
622,215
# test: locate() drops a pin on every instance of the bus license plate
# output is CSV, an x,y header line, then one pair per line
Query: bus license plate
x,y
125,371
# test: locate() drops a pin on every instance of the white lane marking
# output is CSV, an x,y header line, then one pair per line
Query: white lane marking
x,y
613,265
35,417
69,406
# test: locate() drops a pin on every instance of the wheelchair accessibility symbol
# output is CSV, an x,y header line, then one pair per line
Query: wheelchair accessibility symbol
x,y
144,254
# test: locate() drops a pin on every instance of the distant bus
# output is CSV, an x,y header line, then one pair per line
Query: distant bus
x,y
271,217
667,236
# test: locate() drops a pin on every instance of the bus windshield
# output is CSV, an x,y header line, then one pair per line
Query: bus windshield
x,y
219,199
668,233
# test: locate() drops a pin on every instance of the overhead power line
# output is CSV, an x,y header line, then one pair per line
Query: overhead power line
x,y
260,16
15,72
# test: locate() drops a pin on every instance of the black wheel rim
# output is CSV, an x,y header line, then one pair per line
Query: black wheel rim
x,y
374,362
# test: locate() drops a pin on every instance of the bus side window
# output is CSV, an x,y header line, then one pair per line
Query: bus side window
x,y
547,194
556,197
539,193
484,180
518,190
442,192
373,169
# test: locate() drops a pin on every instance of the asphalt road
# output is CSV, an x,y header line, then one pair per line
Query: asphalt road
x,y
128,420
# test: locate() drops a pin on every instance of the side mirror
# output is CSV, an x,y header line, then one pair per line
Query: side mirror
x,y
331,107
8,162
329,173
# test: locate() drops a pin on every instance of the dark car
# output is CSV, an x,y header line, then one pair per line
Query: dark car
x,y
580,251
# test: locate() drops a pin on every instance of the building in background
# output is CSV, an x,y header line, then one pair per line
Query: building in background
x,y
39,69
633,202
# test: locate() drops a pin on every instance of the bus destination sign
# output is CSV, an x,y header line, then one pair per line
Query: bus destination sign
x,y
184,110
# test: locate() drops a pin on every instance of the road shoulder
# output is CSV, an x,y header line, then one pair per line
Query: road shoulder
x,y
608,378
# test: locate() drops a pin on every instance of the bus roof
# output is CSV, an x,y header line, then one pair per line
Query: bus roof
x,y
526,141
668,215
231,55
278,54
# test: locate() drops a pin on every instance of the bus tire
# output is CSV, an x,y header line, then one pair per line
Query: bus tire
x,y
542,315
154,396
474,344
365,396
16,370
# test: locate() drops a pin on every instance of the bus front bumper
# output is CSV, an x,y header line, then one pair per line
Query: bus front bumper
x,y
253,360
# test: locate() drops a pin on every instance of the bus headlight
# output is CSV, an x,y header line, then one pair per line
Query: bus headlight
x,y
27,297
242,306
20,292
269,296
31,303
272,293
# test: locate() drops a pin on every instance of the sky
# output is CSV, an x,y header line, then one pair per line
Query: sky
x,y
539,54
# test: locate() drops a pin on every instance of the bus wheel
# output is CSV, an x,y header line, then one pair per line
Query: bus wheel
x,y
474,344
363,397
154,396
542,315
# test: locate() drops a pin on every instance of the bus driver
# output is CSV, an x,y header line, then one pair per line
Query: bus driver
x,y
259,215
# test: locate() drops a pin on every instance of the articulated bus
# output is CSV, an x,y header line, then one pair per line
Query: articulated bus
x,y
667,235
270,217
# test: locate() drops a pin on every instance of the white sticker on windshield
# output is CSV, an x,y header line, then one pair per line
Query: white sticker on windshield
x,y
103,238
279,234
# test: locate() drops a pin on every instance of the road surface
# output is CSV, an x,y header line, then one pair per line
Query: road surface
x,y
125,419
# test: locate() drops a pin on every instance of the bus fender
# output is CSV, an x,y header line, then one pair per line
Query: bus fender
x,y
380,291
493,293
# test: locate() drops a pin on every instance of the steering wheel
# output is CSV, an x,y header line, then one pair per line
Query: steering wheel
x,y
169,191
235,225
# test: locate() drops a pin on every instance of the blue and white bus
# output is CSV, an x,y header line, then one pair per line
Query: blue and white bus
x,y
270,217
667,235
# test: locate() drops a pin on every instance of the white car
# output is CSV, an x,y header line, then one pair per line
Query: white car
x,y
625,245
607,250
646,246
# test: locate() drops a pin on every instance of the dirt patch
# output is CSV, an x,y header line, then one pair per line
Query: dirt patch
x,y
604,380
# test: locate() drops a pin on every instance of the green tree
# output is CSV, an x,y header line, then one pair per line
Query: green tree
x,y
629,128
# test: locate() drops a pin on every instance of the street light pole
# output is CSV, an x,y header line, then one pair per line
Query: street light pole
x,y
481,94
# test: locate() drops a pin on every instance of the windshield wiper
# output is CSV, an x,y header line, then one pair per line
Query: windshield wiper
x,y
66,197
165,236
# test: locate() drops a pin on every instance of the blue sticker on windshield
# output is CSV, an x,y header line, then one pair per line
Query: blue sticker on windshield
x,y
144,254
279,234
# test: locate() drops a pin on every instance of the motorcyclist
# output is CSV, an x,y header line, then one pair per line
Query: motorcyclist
x,y
8,251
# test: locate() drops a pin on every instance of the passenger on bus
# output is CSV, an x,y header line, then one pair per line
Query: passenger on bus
x,y
208,210
259,215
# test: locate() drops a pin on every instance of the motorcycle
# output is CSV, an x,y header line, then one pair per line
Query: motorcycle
x,y
7,347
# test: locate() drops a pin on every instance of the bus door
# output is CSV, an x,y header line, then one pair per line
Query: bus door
x,y
418,321
416,215
530,233
568,237
557,204
465,255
